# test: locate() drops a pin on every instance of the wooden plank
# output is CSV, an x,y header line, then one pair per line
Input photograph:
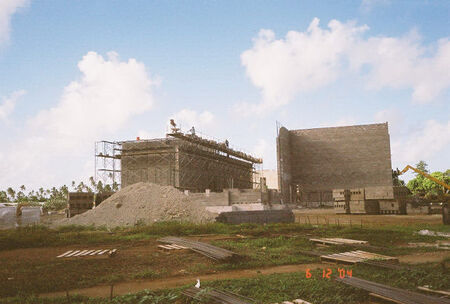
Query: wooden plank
x,y
80,253
178,246
356,256
71,254
337,241
62,255
385,298
440,292
87,252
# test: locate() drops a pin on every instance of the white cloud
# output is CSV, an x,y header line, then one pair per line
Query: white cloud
x,y
7,9
305,61
432,138
58,141
368,5
186,119
9,103
402,63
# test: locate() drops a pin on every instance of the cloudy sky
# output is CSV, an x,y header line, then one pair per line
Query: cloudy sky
x,y
74,72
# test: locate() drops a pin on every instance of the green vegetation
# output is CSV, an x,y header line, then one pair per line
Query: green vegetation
x,y
260,246
54,198
281,287
423,186
42,236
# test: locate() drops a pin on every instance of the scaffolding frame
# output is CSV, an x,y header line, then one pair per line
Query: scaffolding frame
x,y
184,161
107,164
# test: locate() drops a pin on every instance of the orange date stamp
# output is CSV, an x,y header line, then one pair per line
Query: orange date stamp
x,y
326,273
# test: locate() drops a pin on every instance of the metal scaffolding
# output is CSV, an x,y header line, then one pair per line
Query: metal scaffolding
x,y
184,161
107,163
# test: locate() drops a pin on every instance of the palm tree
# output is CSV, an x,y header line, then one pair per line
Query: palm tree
x,y
11,193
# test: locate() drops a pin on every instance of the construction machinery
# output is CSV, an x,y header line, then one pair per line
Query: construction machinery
x,y
445,207
425,175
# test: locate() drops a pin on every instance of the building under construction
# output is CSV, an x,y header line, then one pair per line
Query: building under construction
x,y
314,162
185,161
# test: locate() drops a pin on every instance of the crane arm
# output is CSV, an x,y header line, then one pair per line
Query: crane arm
x,y
426,175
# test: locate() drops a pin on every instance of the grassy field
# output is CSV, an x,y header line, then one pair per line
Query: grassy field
x,y
42,236
28,257
282,287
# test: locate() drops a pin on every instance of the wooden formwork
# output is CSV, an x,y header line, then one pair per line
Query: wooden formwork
x,y
356,256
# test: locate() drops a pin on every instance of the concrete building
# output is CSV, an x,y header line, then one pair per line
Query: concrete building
x,y
187,162
313,162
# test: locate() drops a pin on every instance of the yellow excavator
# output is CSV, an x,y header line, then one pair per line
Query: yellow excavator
x,y
445,207
426,175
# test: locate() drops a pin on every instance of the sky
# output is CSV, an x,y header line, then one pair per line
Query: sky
x,y
76,72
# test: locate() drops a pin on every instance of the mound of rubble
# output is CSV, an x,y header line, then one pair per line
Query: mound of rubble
x,y
143,203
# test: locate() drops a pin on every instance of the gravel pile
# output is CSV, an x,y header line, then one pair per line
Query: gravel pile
x,y
144,203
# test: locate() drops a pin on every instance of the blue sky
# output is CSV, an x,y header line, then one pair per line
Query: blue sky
x,y
73,72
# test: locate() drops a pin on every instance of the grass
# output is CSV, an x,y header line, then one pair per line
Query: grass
x,y
265,245
282,287
41,236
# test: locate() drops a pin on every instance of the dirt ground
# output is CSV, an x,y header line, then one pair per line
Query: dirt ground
x,y
327,216
135,286
180,267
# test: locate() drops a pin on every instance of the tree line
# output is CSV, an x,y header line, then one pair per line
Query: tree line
x,y
53,198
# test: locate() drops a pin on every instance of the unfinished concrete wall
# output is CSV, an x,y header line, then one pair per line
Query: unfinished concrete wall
x,y
148,161
323,159
183,165
284,164
200,171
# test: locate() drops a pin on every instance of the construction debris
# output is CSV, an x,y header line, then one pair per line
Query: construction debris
x,y
337,241
439,244
437,292
216,296
172,247
353,257
398,295
86,253
433,233
205,249
376,263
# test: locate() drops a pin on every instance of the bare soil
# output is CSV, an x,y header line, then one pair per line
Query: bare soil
x,y
127,287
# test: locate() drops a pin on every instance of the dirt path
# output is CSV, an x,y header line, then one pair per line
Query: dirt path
x,y
127,287
136,286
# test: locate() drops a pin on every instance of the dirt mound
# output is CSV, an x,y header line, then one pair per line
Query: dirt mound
x,y
143,203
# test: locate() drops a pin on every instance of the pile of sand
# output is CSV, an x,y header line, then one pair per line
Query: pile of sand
x,y
144,203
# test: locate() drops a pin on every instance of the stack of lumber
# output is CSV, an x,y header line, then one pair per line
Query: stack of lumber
x,y
396,295
205,249
337,241
171,247
87,253
377,263
356,256
216,296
